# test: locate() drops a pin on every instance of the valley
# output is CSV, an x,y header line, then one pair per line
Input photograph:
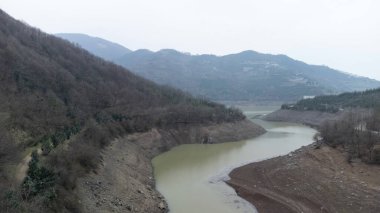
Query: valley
x,y
191,177
71,105
89,125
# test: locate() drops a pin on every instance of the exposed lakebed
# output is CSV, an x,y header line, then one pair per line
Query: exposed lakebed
x,y
191,177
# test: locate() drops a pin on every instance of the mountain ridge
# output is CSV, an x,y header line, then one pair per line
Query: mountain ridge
x,y
247,75
244,76
97,46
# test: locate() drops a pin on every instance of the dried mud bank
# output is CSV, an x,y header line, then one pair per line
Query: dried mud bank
x,y
124,182
309,180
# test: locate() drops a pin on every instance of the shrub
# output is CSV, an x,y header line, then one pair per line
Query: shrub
x,y
38,179
358,142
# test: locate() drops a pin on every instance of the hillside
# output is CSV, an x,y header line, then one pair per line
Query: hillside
x,y
60,107
334,103
97,46
245,76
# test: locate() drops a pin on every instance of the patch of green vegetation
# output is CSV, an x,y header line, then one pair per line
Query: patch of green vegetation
x,y
49,142
39,180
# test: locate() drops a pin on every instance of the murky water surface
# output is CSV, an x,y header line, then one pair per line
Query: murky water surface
x,y
191,176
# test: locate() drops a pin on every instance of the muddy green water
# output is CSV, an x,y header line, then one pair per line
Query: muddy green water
x,y
191,177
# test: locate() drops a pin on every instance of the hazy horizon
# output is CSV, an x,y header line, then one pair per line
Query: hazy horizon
x,y
341,34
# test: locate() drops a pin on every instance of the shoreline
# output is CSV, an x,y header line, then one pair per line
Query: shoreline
x,y
309,180
125,181
315,178
219,175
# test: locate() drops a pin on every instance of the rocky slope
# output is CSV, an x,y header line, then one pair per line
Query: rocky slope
x,y
124,182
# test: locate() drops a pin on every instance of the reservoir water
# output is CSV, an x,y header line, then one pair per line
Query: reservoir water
x,y
191,177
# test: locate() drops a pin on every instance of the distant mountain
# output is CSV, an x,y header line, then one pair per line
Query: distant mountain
x,y
245,76
97,46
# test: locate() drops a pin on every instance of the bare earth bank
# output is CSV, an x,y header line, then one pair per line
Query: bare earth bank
x,y
124,182
309,180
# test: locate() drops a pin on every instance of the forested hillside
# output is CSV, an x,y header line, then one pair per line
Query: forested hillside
x,y
71,104
333,103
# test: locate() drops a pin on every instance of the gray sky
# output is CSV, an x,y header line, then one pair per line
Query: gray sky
x,y
343,34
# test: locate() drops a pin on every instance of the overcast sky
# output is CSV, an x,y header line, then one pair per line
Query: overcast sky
x,y
343,34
